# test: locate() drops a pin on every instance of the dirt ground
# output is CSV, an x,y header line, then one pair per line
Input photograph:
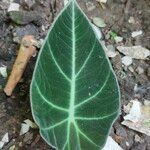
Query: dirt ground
x,y
15,109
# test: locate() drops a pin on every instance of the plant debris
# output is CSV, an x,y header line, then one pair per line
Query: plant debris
x,y
27,50
30,124
109,50
138,118
137,52
135,112
99,22
115,37
25,126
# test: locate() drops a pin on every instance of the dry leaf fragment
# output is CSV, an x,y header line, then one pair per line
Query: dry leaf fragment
x,y
137,52
99,22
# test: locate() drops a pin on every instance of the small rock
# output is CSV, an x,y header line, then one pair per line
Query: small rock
x,y
4,140
109,53
13,7
3,71
31,124
127,144
127,61
90,6
99,22
135,112
136,33
111,48
139,70
118,39
131,20
24,128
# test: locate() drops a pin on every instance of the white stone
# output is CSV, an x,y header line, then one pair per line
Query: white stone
x,y
13,7
135,112
136,33
127,61
3,71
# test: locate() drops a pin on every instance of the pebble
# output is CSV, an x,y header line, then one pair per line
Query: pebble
x,y
136,33
118,39
127,61
131,20
13,7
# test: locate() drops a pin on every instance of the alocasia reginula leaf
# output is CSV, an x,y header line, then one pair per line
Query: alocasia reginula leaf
x,y
74,92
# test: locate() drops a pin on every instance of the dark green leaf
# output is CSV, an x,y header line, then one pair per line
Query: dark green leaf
x,y
74,92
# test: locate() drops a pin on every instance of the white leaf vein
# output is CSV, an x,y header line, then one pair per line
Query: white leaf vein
x,y
61,71
47,101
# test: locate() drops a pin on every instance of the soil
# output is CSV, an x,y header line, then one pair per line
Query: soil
x,y
15,109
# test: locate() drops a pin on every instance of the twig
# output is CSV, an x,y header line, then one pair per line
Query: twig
x,y
27,49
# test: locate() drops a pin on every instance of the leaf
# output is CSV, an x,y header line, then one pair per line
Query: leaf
x,y
74,92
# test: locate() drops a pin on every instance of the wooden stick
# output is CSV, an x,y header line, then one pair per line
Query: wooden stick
x,y
27,49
